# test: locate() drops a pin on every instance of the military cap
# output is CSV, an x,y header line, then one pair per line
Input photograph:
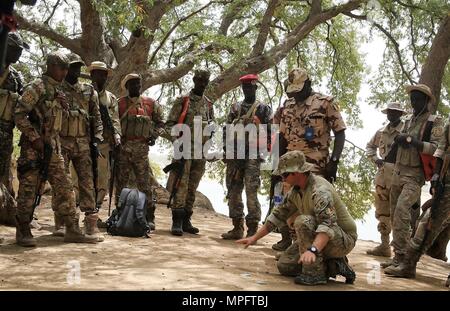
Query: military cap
x,y
128,77
75,59
393,106
57,58
250,78
421,88
291,162
202,74
97,65
15,39
296,80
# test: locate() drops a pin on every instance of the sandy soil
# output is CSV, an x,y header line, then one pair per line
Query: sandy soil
x,y
191,262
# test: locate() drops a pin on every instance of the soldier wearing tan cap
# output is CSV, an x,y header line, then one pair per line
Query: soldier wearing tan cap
x,y
378,150
44,97
326,232
416,145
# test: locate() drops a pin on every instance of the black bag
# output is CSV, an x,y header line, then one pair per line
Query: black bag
x,y
130,216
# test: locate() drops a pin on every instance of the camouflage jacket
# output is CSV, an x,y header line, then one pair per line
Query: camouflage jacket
x,y
320,200
11,87
108,100
307,127
382,141
444,143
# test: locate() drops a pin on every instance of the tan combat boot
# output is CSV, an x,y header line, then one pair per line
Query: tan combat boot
x,y
23,235
237,232
393,262
59,226
73,233
407,266
252,227
91,229
383,250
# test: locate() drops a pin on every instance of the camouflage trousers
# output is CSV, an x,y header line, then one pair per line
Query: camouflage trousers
x,y
7,207
78,155
405,192
6,150
63,201
133,157
305,228
383,183
439,222
242,173
193,173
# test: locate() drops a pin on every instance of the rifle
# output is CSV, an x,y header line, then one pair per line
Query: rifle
x,y
113,164
178,168
43,175
93,147
436,200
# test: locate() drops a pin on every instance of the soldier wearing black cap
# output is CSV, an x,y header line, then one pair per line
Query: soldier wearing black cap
x,y
10,89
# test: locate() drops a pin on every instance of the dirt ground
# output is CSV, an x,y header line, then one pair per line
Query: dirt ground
x,y
191,262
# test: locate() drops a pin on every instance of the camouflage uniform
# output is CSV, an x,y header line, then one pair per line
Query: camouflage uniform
x,y
75,139
135,144
409,178
321,114
320,211
245,171
10,89
199,106
7,207
382,142
439,222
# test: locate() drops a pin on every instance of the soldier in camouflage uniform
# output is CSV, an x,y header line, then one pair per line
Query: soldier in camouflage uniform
x,y
326,233
141,124
245,170
409,174
436,220
83,116
377,149
184,110
10,89
111,126
38,115
306,120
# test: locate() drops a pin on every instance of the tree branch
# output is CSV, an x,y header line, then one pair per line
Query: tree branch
x,y
44,30
264,27
52,13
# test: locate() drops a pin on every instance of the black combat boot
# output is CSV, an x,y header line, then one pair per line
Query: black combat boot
x,y
187,225
285,241
178,215
23,235
340,266
252,227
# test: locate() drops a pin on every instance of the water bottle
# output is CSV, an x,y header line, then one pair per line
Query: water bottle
x,y
278,193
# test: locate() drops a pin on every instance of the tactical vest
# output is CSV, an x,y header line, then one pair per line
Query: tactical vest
x,y
8,100
76,120
136,120
51,110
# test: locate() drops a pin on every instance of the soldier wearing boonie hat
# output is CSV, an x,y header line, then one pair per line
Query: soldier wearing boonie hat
x,y
416,145
381,144
326,233
245,172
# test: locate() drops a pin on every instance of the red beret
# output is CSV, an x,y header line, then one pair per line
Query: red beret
x,y
248,78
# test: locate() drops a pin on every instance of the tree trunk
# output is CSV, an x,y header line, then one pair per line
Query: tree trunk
x,y
434,67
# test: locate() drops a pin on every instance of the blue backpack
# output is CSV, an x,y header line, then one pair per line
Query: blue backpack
x,y
130,217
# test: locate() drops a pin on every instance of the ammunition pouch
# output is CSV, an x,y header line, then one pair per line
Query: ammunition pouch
x,y
137,126
75,124
8,101
54,115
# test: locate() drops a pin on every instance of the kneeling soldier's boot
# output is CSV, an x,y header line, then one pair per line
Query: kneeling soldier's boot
x,y
252,227
177,221
392,262
313,274
187,225
383,250
23,235
340,266
407,267
237,232
73,233
91,229
59,226
285,241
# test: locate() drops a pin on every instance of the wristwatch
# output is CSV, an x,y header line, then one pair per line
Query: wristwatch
x,y
313,250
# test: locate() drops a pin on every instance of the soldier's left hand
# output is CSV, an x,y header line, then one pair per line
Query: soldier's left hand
x,y
331,171
307,258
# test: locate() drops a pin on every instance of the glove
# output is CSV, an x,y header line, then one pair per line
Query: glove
x,y
331,171
117,140
379,163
